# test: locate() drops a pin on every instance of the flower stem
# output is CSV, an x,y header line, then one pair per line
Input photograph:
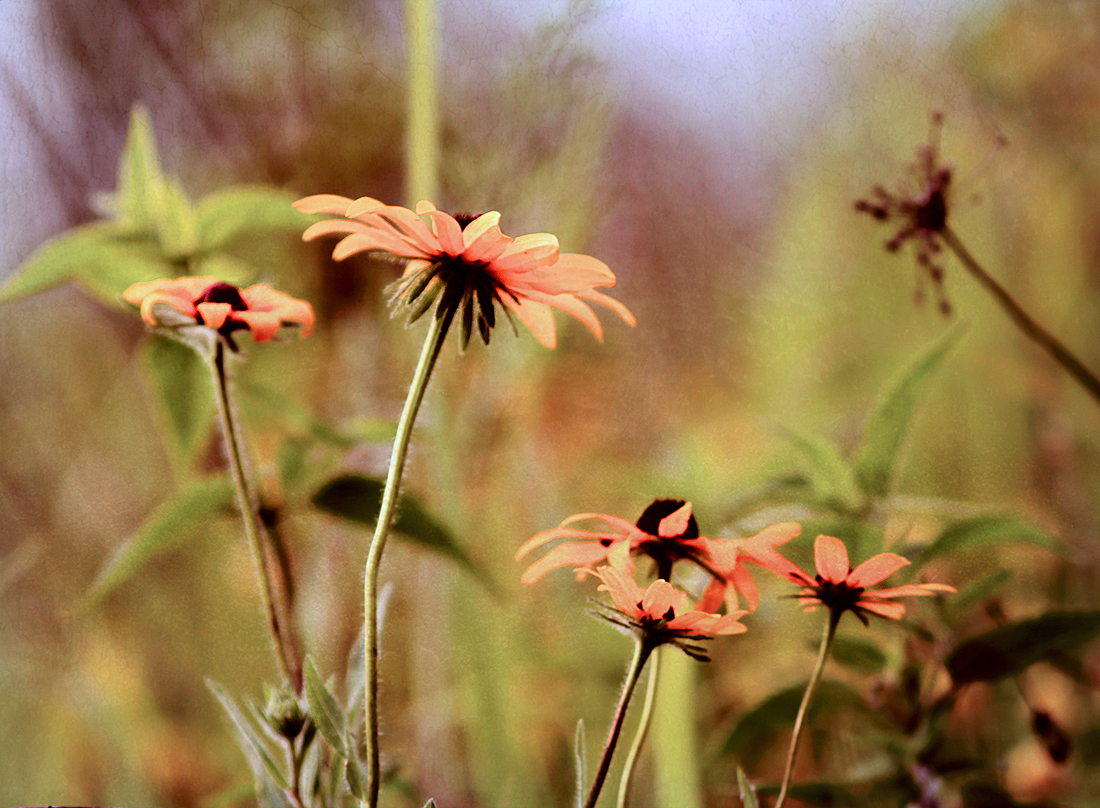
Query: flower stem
x,y
1061,354
826,643
642,649
433,342
250,516
627,779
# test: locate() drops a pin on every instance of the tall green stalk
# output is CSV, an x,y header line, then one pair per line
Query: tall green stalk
x,y
626,782
823,654
246,500
421,109
433,342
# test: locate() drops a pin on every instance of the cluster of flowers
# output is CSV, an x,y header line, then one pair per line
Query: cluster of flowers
x,y
667,533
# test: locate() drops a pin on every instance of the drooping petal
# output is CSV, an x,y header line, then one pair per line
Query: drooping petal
x,y
180,304
569,554
526,253
889,608
363,205
743,583
570,305
875,569
831,559
288,310
611,303
328,226
912,591
537,318
214,314
263,325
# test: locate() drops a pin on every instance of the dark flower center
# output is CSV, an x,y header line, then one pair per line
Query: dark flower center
x,y
838,597
665,550
464,219
224,293
650,520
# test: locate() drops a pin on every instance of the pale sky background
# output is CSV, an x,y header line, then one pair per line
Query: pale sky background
x,y
729,69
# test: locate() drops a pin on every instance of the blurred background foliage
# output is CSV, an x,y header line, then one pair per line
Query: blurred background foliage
x,y
765,307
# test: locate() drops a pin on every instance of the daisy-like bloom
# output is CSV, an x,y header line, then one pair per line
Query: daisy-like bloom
x,y
921,207
660,612
666,532
259,309
467,264
841,589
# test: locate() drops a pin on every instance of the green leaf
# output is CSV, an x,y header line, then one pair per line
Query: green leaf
x,y
137,200
325,710
858,655
356,778
255,749
765,722
977,591
988,529
175,222
99,256
181,381
889,422
226,215
831,476
748,793
359,498
1010,649
168,526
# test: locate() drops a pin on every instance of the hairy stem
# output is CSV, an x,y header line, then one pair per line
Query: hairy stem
x,y
642,649
627,780
246,500
804,708
1061,354
433,342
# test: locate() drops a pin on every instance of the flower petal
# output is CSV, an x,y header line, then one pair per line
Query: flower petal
x,y
570,305
889,609
575,554
526,253
536,316
662,596
363,205
611,303
831,559
448,231
214,314
676,523
323,203
876,568
912,591
263,325
334,226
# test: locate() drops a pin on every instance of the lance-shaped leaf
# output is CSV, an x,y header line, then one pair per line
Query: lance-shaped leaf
x,y
859,655
225,216
976,591
181,381
1010,649
359,499
831,476
325,710
168,526
748,793
251,742
998,528
885,431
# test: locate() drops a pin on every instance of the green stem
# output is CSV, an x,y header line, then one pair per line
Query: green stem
x,y
433,342
1061,354
643,647
250,516
804,708
627,779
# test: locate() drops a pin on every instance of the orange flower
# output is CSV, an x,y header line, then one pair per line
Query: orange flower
x,y
468,264
661,612
223,307
665,532
841,588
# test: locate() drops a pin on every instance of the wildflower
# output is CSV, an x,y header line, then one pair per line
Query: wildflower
x,y
922,211
840,588
220,306
666,532
467,264
660,612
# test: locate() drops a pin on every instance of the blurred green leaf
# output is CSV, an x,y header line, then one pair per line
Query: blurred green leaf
x,y
255,749
831,476
748,793
359,498
580,758
356,778
859,655
1010,649
886,428
181,381
99,256
175,222
224,216
987,529
325,710
169,525
976,591
137,199
758,727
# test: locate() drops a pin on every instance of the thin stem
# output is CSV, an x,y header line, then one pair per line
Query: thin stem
x,y
246,501
1061,354
627,780
433,342
642,649
804,708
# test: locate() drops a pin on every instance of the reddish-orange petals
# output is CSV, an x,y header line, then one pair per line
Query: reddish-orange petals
x,y
220,306
526,275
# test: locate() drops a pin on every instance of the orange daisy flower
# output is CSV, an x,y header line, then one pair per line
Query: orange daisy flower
x,y
221,306
660,611
665,532
465,263
841,588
